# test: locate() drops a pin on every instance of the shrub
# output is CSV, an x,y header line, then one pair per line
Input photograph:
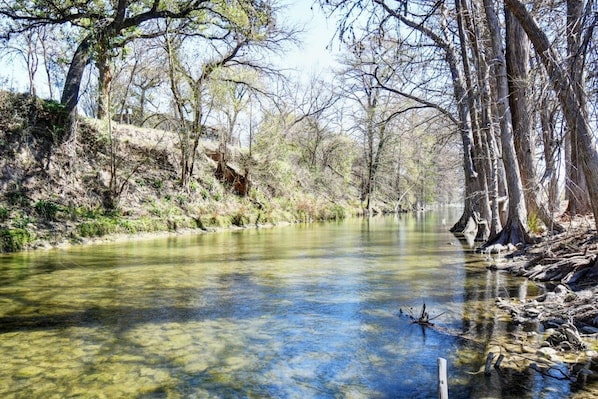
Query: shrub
x,y
129,226
336,212
97,228
534,223
13,240
17,197
239,219
47,210
76,212
157,184
4,214
21,222
306,210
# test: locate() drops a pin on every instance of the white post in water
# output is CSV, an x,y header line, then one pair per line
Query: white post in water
x,y
442,379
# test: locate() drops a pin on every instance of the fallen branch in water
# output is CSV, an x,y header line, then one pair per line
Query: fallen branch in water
x,y
424,318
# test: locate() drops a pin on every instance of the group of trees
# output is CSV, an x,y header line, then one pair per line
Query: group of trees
x,y
512,80
204,68
418,81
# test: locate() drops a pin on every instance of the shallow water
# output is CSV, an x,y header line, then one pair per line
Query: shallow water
x,y
307,311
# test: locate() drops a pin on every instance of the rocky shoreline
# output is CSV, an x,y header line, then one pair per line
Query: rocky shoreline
x,y
567,312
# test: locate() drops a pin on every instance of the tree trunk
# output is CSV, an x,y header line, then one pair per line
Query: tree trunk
x,y
515,230
72,83
517,57
575,185
471,202
552,151
570,100
104,79
576,182
488,138
468,39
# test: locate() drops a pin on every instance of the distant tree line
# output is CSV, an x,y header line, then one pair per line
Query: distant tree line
x,y
380,132
517,83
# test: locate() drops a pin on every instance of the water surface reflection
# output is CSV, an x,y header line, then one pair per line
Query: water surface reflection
x,y
293,312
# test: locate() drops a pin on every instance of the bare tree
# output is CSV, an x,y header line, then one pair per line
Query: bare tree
x,y
226,53
569,88
518,68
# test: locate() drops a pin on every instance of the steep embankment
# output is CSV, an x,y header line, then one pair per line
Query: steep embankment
x,y
56,190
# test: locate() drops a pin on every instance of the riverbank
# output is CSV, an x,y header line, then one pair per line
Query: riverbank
x,y
66,242
109,180
566,314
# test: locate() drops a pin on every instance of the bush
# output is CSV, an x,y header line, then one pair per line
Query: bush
x,y
77,212
4,214
97,228
21,222
13,240
534,223
306,210
17,197
239,219
47,210
336,212
54,118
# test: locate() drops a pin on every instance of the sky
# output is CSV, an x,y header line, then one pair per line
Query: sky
x,y
313,57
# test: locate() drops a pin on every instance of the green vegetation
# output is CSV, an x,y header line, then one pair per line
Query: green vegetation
x,y
67,202
4,213
47,210
12,240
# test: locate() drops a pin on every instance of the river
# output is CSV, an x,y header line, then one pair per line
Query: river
x,y
302,311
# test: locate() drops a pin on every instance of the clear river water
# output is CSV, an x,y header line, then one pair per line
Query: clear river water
x,y
301,311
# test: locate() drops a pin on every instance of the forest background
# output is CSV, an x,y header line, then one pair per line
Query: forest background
x,y
172,115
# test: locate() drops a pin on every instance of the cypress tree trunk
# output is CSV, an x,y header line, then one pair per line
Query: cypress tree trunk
x,y
515,229
517,57
569,98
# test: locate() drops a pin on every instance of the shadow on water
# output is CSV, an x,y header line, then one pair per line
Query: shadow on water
x,y
302,311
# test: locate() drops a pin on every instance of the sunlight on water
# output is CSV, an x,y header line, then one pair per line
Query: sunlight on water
x,y
296,312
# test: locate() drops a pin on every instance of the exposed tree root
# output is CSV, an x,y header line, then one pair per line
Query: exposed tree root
x,y
466,225
570,260
513,235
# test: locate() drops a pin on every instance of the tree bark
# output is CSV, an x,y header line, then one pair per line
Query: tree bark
x,y
517,57
74,76
569,99
104,79
487,134
576,183
515,230
552,150
468,39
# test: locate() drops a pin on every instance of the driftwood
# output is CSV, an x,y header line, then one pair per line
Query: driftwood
x,y
570,258
423,319
566,337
